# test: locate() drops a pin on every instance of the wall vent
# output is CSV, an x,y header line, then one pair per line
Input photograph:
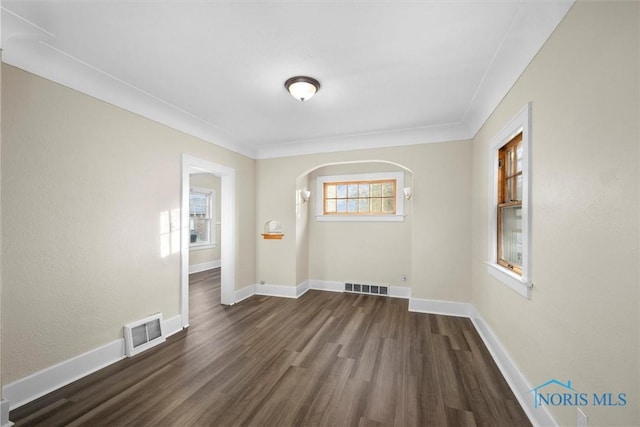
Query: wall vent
x,y
359,288
143,334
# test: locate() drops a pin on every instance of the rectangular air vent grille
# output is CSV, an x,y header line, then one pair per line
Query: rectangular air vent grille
x,y
143,334
359,288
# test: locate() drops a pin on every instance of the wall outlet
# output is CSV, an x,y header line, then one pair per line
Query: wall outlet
x,y
583,420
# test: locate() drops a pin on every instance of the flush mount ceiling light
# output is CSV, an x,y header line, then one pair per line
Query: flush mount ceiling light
x,y
302,87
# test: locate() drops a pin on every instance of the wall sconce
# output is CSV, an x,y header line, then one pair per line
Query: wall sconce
x,y
305,194
408,193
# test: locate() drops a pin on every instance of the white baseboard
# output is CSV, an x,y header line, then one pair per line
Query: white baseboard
x,y
517,382
302,288
4,413
36,385
54,377
272,291
400,292
288,291
244,293
197,268
539,416
323,285
277,291
297,291
447,308
172,325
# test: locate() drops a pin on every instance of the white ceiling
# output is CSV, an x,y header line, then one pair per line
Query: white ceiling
x,y
392,73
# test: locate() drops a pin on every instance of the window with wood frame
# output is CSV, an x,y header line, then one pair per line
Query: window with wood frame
x,y
509,219
369,196
510,196
374,197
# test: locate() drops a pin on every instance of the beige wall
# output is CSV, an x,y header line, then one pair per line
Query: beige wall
x,y
83,186
84,183
438,248
210,181
581,323
302,230
360,252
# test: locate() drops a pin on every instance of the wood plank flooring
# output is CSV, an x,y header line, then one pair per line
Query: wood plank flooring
x,y
325,359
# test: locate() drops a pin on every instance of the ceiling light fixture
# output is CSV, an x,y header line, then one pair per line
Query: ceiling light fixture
x,y
302,87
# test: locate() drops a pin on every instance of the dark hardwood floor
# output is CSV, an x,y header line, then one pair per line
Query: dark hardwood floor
x,y
325,359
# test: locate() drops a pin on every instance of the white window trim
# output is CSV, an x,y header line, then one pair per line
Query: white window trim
x,y
212,224
521,284
398,216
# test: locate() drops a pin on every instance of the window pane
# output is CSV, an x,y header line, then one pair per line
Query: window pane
x,y
330,191
514,189
510,189
512,235
202,230
330,205
519,157
198,204
387,189
364,197
388,205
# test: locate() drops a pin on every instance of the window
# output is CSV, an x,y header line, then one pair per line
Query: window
x,y
509,232
201,217
361,197
509,219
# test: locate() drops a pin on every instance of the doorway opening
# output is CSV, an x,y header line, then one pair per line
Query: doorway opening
x,y
192,165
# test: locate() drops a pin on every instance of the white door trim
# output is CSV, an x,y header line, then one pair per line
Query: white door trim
x,y
227,176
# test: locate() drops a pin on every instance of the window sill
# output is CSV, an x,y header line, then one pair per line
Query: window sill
x,y
510,279
360,218
201,247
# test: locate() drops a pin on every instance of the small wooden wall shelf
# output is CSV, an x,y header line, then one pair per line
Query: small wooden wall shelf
x,y
273,236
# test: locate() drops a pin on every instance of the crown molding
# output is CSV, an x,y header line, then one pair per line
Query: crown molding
x,y
32,48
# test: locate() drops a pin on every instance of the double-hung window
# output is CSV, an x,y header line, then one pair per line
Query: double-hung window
x,y
509,233
509,205
201,217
